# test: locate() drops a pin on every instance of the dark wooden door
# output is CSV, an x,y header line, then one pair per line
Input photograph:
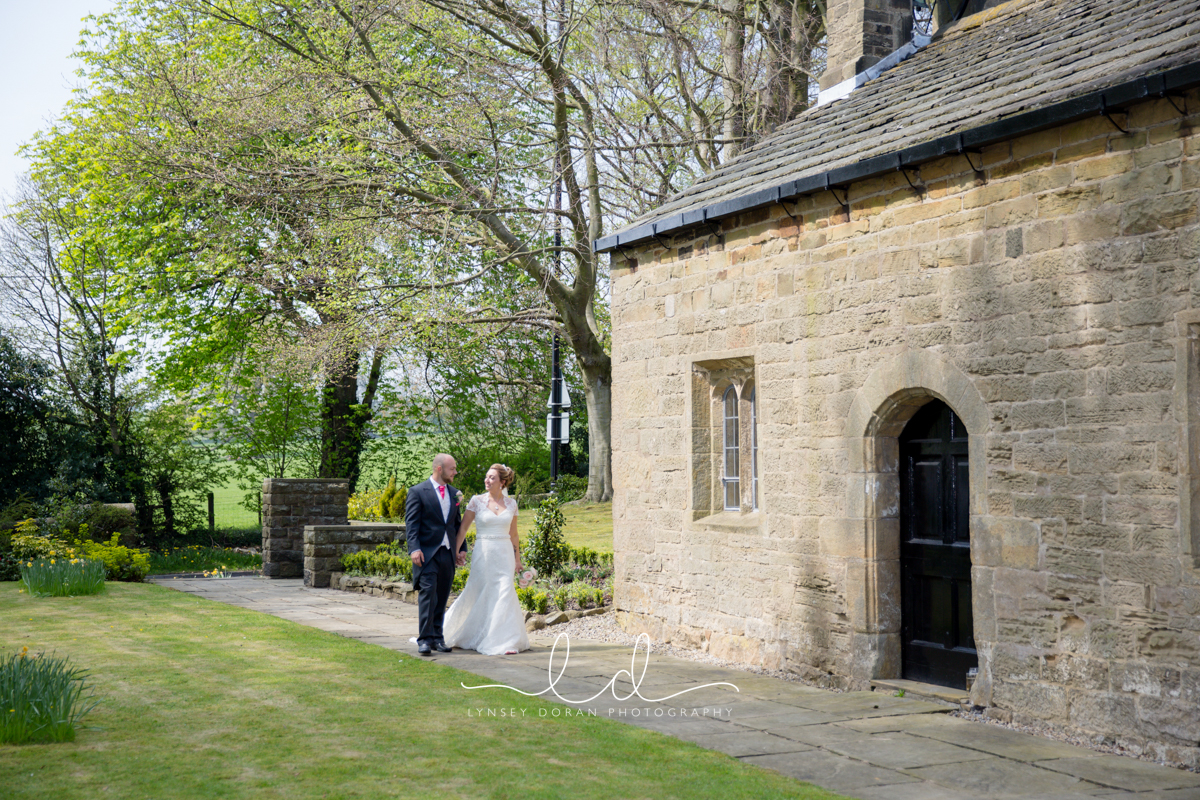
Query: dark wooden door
x,y
937,635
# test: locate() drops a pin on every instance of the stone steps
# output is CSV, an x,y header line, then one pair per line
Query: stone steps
x,y
943,695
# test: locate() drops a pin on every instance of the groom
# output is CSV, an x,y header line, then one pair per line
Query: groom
x,y
431,519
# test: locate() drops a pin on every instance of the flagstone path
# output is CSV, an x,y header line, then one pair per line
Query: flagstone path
x,y
861,744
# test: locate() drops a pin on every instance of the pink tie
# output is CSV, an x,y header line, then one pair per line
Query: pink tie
x,y
441,491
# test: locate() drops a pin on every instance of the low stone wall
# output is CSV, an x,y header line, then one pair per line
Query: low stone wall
x,y
324,546
288,505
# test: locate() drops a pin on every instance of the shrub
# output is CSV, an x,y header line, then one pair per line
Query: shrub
x,y
545,549
120,562
585,556
386,560
571,487
28,543
460,579
561,595
364,505
62,577
391,500
583,594
10,569
41,697
105,520
533,600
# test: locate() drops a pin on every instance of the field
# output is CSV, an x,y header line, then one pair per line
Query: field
x,y
204,700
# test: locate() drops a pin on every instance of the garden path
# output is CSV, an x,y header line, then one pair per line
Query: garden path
x,y
861,744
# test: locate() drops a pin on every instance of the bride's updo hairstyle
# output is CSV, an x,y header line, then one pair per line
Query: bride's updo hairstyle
x,y
505,474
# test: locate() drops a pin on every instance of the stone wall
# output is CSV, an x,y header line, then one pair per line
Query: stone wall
x,y
1049,298
324,546
288,505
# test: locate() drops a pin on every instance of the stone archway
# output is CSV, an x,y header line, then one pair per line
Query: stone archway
x,y
887,400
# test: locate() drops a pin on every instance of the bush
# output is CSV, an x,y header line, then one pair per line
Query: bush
x,y
389,560
62,577
28,543
545,549
364,506
571,487
105,520
42,698
561,595
533,600
460,579
585,557
120,562
10,569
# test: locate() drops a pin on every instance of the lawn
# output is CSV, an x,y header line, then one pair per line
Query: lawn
x,y
586,525
203,700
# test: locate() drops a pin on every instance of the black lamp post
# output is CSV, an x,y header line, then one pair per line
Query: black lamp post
x,y
558,421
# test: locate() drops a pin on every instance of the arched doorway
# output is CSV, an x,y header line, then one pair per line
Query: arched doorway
x,y
937,632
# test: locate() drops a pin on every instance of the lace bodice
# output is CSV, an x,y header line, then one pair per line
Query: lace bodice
x,y
489,524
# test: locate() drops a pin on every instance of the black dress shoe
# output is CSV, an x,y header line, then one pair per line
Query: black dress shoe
x,y
440,646
423,649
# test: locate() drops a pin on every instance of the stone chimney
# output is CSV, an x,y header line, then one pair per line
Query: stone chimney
x,y
861,33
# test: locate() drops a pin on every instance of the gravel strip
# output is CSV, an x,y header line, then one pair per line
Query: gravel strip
x,y
603,628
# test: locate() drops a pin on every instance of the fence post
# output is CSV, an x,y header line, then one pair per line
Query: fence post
x,y
212,518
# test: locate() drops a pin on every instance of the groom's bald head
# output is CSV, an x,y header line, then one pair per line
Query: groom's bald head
x,y
444,467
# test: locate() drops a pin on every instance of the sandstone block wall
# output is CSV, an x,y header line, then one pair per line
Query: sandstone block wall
x,y
288,505
324,546
1047,290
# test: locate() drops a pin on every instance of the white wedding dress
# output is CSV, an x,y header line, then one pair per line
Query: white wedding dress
x,y
487,617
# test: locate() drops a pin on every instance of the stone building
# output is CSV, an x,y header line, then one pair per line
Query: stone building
x,y
912,386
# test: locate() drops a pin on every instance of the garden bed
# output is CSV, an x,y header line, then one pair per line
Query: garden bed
x,y
405,593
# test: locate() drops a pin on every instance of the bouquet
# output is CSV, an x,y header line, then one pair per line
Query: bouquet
x,y
527,577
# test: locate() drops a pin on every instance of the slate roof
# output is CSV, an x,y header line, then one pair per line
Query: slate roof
x,y
989,77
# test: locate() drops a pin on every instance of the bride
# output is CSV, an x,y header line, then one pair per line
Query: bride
x,y
486,617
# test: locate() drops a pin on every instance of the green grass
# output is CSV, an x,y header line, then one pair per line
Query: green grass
x,y
202,559
203,700
586,526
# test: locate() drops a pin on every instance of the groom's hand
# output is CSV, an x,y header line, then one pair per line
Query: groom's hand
x,y
418,558
460,559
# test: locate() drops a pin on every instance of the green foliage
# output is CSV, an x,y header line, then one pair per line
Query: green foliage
x,y
385,499
460,579
365,505
28,543
570,487
533,600
545,550
202,559
388,560
62,577
121,563
42,698
38,434
561,595
585,556
105,520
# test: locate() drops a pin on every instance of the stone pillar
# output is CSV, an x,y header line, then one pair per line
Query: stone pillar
x,y
324,546
861,33
288,505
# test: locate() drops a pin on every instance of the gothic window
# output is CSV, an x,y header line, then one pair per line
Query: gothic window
x,y
754,448
730,472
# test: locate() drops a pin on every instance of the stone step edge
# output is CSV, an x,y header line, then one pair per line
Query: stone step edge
x,y
943,695
402,591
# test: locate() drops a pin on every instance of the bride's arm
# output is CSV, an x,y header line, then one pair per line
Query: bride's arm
x,y
516,542
467,519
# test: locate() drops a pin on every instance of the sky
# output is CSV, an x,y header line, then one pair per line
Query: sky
x,y
36,71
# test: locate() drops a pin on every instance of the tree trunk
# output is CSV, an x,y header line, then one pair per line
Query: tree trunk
x,y
598,392
163,485
342,421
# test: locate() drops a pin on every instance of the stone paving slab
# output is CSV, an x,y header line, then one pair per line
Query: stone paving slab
x,y
830,771
864,744
1124,773
1002,777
